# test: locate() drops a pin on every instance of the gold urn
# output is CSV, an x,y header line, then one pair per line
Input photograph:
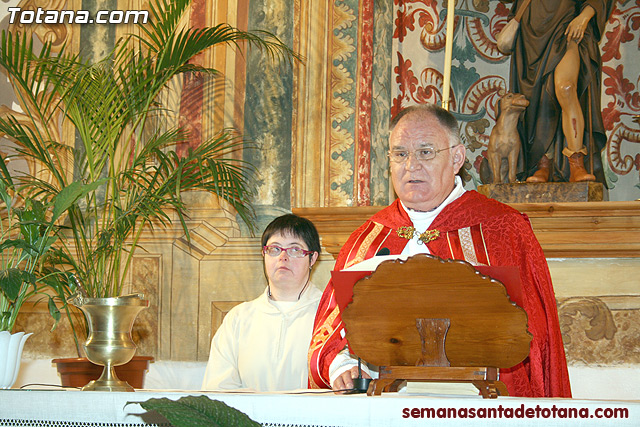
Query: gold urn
x,y
109,342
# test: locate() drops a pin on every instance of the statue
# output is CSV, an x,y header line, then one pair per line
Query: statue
x,y
556,65
504,141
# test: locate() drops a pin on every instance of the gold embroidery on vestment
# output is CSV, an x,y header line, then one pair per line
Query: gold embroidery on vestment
x,y
468,249
408,232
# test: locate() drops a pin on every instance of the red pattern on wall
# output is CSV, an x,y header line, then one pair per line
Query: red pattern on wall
x,y
191,98
621,93
363,111
428,88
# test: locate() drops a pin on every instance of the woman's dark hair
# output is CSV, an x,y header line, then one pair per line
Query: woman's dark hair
x,y
294,225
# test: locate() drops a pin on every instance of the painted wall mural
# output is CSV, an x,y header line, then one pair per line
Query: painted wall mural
x,y
268,108
343,55
480,75
621,97
376,57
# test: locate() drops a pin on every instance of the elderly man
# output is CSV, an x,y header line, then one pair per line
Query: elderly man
x,y
425,155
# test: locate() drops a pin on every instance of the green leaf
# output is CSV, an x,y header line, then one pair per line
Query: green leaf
x,y
29,226
18,244
196,411
54,312
71,193
4,194
11,282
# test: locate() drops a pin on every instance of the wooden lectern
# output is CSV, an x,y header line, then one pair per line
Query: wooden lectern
x,y
426,319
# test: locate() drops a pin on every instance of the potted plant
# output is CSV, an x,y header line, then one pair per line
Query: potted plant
x,y
122,145
27,232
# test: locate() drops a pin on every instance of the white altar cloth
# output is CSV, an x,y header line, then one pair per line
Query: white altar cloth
x,y
72,408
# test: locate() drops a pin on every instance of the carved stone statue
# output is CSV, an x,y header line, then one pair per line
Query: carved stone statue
x,y
556,65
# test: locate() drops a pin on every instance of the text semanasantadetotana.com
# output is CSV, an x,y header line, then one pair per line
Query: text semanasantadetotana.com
x,y
515,412
43,16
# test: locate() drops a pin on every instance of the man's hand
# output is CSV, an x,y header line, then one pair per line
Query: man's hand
x,y
345,380
577,27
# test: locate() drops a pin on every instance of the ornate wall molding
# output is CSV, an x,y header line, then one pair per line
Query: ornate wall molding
x,y
602,330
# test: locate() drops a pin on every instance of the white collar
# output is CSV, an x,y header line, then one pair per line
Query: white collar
x,y
417,216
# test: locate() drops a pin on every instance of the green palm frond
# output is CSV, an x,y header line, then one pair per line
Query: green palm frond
x,y
129,158
166,16
27,72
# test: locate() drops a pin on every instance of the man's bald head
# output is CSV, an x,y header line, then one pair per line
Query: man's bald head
x,y
444,118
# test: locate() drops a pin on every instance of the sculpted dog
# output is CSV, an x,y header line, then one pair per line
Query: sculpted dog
x,y
504,141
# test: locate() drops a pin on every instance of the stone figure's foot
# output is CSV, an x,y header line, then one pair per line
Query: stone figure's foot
x,y
578,172
542,174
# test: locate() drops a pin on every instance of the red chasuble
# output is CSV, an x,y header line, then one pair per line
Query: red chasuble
x,y
480,231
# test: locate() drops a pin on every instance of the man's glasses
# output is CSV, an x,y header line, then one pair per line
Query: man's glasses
x,y
292,252
421,154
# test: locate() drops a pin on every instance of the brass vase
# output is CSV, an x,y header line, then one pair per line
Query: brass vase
x,y
109,341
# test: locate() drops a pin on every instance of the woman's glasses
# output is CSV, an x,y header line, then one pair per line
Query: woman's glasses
x,y
292,252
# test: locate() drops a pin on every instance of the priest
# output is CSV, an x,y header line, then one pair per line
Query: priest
x,y
434,214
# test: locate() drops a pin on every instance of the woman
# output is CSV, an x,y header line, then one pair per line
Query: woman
x,y
262,344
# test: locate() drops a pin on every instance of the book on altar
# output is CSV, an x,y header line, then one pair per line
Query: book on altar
x,y
344,280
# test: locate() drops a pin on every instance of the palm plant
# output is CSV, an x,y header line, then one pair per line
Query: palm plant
x,y
133,166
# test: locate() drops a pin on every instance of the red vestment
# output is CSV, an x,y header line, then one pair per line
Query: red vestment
x,y
480,231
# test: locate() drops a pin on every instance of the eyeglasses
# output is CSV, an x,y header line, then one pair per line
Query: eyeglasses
x,y
292,252
421,154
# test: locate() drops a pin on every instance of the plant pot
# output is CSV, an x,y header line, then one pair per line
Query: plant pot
x,y
79,371
109,342
11,346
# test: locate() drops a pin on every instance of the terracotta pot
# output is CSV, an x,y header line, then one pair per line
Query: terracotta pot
x,y
78,371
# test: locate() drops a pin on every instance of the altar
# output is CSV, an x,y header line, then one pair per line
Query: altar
x,y
72,408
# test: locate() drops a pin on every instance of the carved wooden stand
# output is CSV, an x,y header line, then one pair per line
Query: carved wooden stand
x,y
392,377
467,325
431,364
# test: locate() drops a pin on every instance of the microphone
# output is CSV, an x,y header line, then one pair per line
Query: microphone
x,y
384,251
360,384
